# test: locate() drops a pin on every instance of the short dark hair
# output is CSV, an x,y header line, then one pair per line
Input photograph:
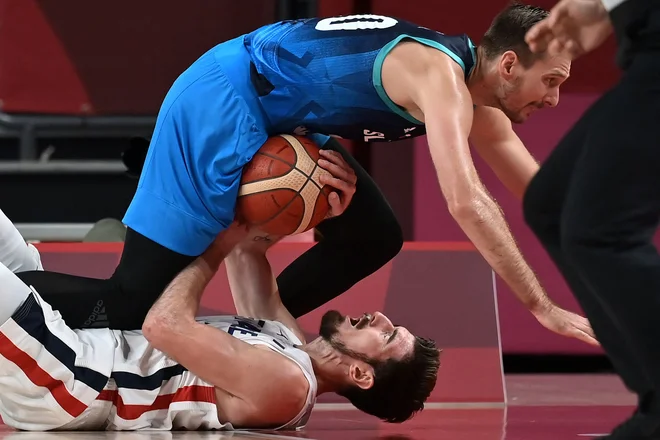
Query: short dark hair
x,y
508,29
400,386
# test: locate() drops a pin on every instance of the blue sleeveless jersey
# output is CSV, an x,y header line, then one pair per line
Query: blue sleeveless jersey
x,y
319,77
324,75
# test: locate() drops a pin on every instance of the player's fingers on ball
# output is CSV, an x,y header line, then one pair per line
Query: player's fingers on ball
x,y
337,159
353,177
335,170
334,200
334,182
336,204
330,167
332,156
329,178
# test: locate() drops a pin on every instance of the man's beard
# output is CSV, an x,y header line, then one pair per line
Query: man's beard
x,y
515,116
328,331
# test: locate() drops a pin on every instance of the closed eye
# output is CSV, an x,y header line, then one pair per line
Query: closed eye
x,y
393,337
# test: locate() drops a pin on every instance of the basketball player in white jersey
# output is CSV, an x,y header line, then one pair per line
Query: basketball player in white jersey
x,y
183,372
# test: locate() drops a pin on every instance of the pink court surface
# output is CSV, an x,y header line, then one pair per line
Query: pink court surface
x,y
539,408
443,291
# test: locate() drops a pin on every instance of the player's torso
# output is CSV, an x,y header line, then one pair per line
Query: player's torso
x,y
279,338
148,390
323,75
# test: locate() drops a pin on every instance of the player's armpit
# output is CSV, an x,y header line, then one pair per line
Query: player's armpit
x,y
272,389
493,138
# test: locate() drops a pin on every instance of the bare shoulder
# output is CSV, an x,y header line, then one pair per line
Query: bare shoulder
x,y
281,396
411,68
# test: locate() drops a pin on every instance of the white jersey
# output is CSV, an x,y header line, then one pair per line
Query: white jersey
x,y
53,377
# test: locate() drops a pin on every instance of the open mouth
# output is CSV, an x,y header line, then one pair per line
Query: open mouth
x,y
362,321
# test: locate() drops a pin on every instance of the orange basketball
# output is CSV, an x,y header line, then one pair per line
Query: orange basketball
x,y
280,190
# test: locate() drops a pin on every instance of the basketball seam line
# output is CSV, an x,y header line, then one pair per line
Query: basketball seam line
x,y
311,175
283,207
279,158
309,178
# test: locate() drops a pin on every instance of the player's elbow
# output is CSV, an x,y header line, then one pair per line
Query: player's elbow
x,y
467,204
158,331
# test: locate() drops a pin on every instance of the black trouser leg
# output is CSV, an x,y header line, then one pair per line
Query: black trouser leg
x,y
121,302
612,212
354,245
543,206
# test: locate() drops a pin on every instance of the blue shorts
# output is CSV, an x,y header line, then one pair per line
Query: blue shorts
x,y
208,127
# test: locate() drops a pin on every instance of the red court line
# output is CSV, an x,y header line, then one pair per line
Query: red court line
x,y
116,248
112,248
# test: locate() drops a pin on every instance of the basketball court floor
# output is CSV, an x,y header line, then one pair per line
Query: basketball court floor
x,y
540,408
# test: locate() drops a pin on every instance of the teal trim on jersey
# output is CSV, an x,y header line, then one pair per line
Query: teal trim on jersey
x,y
377,76
378,68
474,56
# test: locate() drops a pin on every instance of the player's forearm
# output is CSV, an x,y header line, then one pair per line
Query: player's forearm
x,y
254,287
179,302
252,283
483,222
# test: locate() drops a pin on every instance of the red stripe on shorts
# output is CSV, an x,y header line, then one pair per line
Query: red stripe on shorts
x,y
40,377
193,393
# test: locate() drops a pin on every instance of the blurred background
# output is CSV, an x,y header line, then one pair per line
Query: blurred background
x,y
79,79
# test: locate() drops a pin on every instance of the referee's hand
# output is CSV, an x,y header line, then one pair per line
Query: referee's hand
x,y
574,27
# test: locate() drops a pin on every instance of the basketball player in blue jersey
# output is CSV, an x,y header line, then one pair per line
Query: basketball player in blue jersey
x,y
254,370
369,78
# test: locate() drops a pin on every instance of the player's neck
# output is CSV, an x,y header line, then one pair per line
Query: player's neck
x,y
480,82
324,360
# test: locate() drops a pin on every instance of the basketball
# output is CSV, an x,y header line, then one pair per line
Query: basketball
x,y
280,191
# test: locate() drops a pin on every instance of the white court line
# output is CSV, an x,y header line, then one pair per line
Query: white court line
x,y
263,435
499,333
433,405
